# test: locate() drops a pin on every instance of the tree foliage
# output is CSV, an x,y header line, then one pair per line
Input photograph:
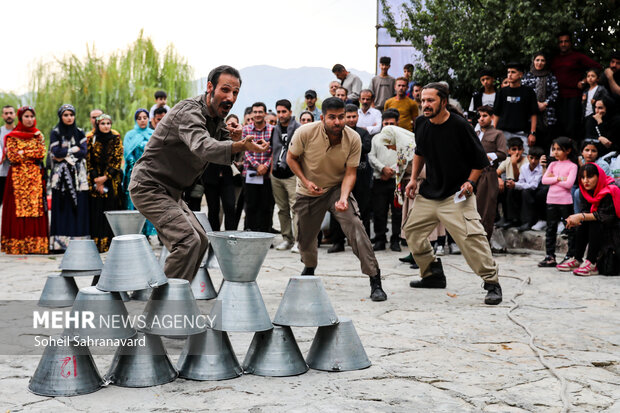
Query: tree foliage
x,y
457,38
119,85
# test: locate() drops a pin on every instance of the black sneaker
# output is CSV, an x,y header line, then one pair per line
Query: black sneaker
x,y
549,261
395,246
376,292
408,258
337,247
494,294
308,271
436,280
379,246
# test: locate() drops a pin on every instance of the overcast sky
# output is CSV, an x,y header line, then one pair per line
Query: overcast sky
x,y
282,33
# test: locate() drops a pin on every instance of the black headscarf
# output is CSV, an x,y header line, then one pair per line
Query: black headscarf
x,y
67,131
104,138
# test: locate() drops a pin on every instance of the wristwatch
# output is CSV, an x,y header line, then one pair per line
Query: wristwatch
x,y
473,184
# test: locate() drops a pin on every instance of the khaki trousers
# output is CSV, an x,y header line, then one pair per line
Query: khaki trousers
x,y
310,213
177,228
285,196
462,221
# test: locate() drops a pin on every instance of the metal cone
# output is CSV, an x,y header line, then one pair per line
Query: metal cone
x,y
125,222
58,291
240,254
305,304
162,256
212,259
65,369
142,295
337,348
209,356
142,366
169,303
240,307
124,296
274,353
130,265
204,220
81,258
202,287
110,315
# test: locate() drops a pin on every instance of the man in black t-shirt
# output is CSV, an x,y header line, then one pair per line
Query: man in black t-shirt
x,y
515,108
283,181
447,194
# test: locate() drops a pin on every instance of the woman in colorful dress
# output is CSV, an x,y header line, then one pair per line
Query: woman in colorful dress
x,y
69,182
24,215
105,176
133,148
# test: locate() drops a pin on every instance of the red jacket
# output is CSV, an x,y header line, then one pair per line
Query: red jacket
x,y
570,69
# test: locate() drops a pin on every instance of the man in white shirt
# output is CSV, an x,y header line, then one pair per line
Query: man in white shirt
x,y
8,115
369,117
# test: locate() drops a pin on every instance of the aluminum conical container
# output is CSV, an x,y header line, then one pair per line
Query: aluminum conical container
x,y
202,287
142,295
172,311
240,254
81,258
337,348
111,319
142,366
212,259
125,222
65,369
240,307
58,291
163,254
130,265
274,353
305,304
204,220
209,356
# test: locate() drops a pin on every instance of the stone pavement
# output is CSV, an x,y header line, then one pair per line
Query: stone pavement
x,y
432,351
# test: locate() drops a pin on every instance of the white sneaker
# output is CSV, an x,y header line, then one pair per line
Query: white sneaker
x,y
539,226
284,245
295,249
439,251
454,249
560,227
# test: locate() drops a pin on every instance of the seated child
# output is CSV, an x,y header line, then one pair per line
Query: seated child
x,y
532,192
509,198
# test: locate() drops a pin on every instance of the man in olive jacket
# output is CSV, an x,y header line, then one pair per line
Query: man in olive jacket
x,y
189,137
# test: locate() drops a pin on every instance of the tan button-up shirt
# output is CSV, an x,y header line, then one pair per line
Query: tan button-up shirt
x,y
183,144
321,163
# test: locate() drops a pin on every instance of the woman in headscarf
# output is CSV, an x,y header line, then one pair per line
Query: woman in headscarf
x,y
545,84
69,182
133,148
105,176
24,215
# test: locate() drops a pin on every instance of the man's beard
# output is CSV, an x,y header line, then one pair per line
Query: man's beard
x,y
9,121
433,113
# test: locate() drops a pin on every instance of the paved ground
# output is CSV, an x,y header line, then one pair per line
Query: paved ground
x,y
439,351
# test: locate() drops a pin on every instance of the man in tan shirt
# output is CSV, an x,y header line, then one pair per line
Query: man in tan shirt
x,y
324,156
190,136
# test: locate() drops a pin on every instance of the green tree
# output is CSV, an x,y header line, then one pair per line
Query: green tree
x,y
459,37
119,85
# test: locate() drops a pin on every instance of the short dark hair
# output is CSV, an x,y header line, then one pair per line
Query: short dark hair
x,y
346,92
259,104
409,67
486,72
564,33
615,55
350,108
486,109
161,94
247,111
160,110
536,152
307,112
338,68
515,65
442,91
390,114
385,60
518,142
331,103
372,94
284,102
214,75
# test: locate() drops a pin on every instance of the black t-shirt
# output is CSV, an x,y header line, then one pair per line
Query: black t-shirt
x,y
450,150
515,106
